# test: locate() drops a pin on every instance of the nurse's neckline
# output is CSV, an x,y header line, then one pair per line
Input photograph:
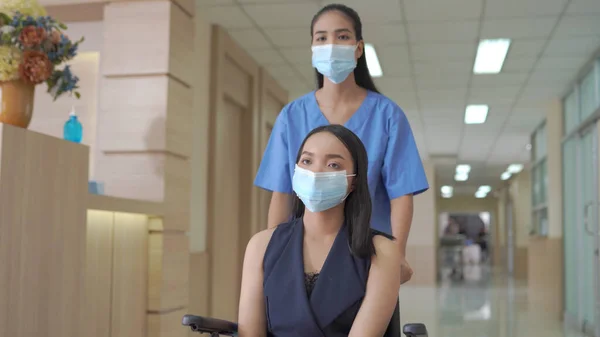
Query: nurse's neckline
x,y
352,117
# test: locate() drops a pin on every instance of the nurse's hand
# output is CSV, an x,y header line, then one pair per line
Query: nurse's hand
x,y
406,271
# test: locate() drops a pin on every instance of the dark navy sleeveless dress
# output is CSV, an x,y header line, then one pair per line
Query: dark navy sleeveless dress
x,y
330,308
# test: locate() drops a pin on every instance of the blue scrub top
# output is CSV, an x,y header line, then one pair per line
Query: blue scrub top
x,y
395,167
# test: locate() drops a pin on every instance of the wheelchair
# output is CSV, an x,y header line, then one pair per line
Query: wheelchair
x,y
218,327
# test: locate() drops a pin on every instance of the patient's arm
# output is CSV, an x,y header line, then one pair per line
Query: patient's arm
x,y
381,295
252,320
279,209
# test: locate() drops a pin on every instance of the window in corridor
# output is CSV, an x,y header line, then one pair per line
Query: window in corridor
x,y
539,182
571,112
588,94
583,101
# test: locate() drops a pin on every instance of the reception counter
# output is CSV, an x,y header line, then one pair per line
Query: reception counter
x,y
75,264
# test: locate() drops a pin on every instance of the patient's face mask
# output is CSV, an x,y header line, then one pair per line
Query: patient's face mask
x,y
320,191
334,61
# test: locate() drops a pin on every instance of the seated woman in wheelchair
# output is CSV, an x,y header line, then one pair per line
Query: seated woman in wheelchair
x,y
326,272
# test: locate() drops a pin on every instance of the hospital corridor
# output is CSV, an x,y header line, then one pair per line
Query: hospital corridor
x,y
285,168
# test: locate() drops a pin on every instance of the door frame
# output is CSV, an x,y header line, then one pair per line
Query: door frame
x,y
590,328
269,88
579,322
224,49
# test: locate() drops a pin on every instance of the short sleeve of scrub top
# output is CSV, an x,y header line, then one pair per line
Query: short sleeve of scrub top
x,y
395,167
402,169
273,173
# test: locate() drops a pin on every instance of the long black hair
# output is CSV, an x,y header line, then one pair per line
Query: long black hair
x,y
361,72
357,208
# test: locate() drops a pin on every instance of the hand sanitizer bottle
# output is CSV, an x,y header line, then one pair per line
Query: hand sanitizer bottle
x,y
73,131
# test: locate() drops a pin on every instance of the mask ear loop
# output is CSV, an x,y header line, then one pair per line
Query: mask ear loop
x,y
347,194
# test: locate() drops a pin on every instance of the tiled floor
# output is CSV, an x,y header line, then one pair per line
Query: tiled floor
x,y
485,304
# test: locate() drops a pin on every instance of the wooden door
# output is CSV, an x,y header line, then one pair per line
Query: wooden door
x,y
232,152
272,99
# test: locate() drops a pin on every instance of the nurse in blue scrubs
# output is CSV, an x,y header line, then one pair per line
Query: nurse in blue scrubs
x,y
346,95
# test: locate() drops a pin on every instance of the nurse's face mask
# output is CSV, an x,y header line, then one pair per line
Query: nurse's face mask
x,y
320,191
334,61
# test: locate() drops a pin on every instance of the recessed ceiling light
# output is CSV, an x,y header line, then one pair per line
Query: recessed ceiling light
x,y
491,55
480,194
461,176
485,189
372,61
476,113
463,168
447,189
505,176
515,168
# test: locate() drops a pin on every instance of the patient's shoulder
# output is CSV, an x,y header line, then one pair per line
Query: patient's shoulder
x,y
258,244
261,241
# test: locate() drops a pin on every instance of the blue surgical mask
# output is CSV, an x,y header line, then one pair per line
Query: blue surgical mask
x,y
320,191
334,61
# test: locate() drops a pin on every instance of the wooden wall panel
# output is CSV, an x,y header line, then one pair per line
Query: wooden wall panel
x,y
133,175
86,12
136,106
130,275
146,114
43,189
168,324
181,44
147,23
168,281
99,259
199,281
545,276
177,187
179,114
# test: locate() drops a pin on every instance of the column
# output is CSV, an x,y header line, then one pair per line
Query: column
x,y
144,137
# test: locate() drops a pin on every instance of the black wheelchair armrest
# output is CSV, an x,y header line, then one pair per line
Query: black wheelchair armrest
x,y
415,330
216,327
212,326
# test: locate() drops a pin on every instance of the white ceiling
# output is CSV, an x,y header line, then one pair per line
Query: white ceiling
x,y
427,49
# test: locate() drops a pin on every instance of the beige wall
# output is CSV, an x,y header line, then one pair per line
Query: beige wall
x,y
468,204
421,249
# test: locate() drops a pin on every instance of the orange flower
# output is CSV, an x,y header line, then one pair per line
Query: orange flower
x,y
31,36
35,68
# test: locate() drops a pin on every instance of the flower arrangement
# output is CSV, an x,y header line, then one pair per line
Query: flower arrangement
x,y
33,46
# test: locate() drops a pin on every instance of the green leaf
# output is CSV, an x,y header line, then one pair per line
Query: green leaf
x,y
4,18
77,94
62,26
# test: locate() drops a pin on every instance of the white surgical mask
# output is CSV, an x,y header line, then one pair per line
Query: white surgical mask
x,y
334,61
320,191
